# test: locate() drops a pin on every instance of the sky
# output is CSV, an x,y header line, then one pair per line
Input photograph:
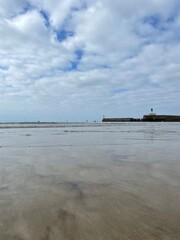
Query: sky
x,y
78,60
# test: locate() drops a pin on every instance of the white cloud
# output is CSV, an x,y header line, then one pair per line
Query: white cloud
x,y
9,8
88,58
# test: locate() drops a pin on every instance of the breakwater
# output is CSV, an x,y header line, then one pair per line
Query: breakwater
x,y
146,118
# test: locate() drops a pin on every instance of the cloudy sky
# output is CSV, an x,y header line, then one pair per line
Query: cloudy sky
x,y
82,59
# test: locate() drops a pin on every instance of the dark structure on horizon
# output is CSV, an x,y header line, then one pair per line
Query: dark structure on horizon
x,y
151,117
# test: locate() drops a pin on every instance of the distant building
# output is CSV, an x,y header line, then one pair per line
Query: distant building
x,y
151,117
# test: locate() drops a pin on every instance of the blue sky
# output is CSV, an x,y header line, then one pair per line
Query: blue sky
x,y
78,60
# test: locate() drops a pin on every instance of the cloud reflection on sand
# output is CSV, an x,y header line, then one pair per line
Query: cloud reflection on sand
x,y
93,182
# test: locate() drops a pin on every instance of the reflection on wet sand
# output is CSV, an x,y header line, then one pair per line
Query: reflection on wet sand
x,y
98,186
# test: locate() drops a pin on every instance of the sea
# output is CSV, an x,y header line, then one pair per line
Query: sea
x,y
90,181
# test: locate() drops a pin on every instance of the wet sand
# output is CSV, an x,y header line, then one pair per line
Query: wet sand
x,y
115,182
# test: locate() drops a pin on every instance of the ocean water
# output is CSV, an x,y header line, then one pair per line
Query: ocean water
x,y
90,181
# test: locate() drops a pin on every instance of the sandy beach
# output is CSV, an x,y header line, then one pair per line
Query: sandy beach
x,y
90,182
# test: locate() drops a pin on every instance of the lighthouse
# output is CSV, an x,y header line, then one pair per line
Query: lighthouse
x,y
152,113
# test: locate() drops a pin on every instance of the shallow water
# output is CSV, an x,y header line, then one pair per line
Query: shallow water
x,y
90,181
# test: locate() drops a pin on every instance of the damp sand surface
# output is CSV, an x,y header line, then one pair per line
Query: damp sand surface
x,y
90,182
